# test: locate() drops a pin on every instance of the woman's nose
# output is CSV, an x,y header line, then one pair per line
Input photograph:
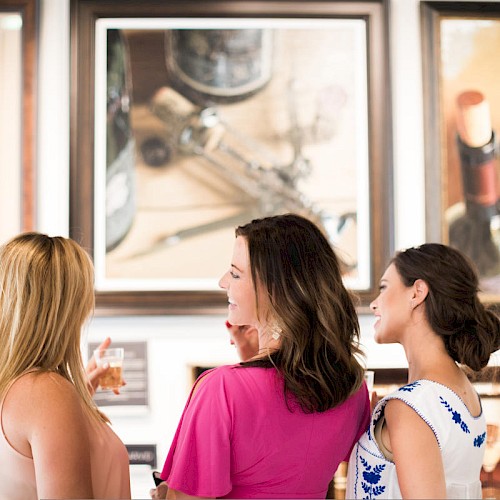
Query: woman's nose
x,y
223,281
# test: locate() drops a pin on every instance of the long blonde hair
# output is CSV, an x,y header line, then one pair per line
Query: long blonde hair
x,y
46,295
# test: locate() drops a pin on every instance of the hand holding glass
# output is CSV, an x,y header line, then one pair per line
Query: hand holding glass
x,y
113,357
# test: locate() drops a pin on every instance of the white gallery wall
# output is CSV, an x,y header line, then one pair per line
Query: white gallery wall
x,y
176,343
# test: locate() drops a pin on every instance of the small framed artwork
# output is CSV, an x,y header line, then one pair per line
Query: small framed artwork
x,y
461,73
135,393
191,119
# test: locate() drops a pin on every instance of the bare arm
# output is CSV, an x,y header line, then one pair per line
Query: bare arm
x,y
417,456
44,418
160,492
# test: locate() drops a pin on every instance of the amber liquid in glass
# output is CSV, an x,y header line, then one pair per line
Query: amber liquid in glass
x,y
112,379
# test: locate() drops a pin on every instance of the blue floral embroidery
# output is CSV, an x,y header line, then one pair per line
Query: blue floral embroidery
x,y
479,440
369,433
371,478
410,387
455,416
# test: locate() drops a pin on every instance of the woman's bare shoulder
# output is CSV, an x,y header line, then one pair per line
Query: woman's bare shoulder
x,y
40,402
39,385
41,398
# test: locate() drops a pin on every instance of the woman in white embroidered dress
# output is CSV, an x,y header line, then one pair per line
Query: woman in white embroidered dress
x,y
426,440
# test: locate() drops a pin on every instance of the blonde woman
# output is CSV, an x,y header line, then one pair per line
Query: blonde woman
x,y
54,443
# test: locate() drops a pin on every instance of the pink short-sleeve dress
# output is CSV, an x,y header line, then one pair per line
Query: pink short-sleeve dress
x,y
239,438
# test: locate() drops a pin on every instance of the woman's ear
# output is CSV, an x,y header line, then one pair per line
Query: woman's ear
x,y
420,291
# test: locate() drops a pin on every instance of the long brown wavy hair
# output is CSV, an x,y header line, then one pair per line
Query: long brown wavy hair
x,y
319,352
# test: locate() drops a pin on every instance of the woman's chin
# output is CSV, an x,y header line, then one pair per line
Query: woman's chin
x,y
378,337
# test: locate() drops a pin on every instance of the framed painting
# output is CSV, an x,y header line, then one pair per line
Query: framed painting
x,y
189,119
18,49
461,70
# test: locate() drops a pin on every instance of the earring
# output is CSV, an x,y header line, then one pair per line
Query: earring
x,y
276,332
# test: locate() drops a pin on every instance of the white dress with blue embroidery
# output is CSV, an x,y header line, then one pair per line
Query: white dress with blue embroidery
x,y
460,437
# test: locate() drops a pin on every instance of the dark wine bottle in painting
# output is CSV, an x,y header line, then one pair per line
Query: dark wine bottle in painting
x,y
120,148
472,232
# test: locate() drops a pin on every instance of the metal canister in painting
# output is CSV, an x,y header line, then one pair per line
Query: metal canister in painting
x,y
219,65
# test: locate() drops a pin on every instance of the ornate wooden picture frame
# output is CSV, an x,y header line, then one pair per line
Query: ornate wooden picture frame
x,y
190,118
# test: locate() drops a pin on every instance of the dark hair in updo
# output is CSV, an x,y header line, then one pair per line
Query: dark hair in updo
x,y
471,331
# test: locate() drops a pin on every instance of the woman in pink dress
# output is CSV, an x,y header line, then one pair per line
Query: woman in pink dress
x,y
279,424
